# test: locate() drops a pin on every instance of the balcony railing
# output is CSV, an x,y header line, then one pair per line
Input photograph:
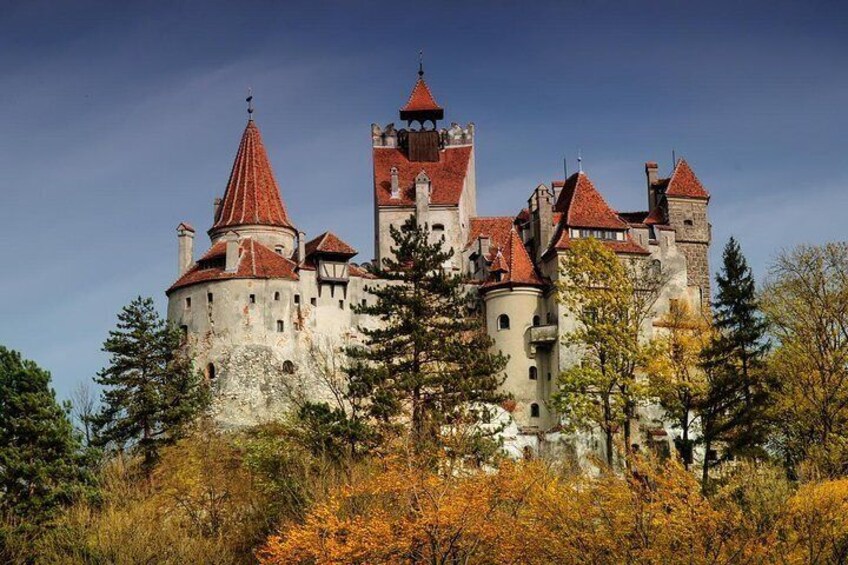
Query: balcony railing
x,y
543,335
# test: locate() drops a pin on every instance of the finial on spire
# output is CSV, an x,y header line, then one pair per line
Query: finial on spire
x,y
421,63
249,101
579,161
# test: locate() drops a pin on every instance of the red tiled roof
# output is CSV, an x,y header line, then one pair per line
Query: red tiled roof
x,y
496,228
655,217
185,226
357,271
252,195
255,262
683,183
584,207
628,246
328,242
447,176
513,262
421,99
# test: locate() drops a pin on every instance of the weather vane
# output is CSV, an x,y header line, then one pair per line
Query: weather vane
x,y
249,101
421,63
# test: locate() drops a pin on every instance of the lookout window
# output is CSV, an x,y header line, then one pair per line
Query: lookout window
x,y
503,322
188,301
297,299
534,410
209,297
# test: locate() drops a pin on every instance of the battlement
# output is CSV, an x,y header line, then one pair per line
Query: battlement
x,y
453,136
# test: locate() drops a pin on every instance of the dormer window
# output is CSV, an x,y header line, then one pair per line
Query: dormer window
x,y
598,234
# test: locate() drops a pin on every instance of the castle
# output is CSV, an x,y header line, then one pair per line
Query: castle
x,y
265,307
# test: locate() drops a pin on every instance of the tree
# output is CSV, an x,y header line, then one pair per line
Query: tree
x,y
429,364
151,389
42,463
806,302
83,408
737,356
611,298
676,376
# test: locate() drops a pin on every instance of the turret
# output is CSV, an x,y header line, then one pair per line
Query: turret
x,y
185,239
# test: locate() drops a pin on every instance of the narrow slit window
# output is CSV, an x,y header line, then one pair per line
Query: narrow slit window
x,y
210,298
188,301
533,373
297,299
280,326
276,295
341,304
253,299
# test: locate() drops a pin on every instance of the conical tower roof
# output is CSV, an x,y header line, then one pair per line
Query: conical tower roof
x,y
252,196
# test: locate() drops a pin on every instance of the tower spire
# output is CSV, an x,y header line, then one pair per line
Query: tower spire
x,y
249,101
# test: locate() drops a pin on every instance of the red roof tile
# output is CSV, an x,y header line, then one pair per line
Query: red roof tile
x,y
185,226
255,262
421,99
252,195
496,228
447,176
513,263
328,242
584,207
683,183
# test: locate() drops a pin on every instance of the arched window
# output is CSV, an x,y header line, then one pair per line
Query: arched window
x,y
503,322
210,372
280,326
537,321
534,410
288,367
534,373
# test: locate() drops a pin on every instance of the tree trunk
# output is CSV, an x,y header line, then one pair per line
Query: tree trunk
x,y
684,424
705,474
608,430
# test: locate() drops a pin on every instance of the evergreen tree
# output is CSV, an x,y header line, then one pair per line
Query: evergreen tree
x,y
151,390
42,462
429,364
737,400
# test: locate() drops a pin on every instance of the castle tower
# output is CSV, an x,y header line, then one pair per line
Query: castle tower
x,y
423,171
252,205
686,202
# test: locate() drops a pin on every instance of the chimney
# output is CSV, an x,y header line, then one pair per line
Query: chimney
x,y
422,198
216,207
484,244
185,238
301,246
652,174
395,184
543,218
232,259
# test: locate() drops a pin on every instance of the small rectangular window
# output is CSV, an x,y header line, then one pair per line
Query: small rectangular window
x,y
297,299
280,325
341,304
209,297
188,301
253,299
364,302
276,296
313,301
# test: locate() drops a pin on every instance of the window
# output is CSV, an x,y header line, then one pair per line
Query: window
x,y
188,301
280,326
313,301
438,227
655,269
341,304
549,376
534,373
297,299
537,321
210,372
688,223
503,322
599,234
280,249
288,367
209,297
534,410
364,303
276,295
253,299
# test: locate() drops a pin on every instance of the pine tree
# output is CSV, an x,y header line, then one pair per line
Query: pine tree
x,y
737,400
430,364
151,390
42,462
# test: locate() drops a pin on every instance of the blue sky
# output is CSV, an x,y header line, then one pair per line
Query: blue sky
x,y
119,120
